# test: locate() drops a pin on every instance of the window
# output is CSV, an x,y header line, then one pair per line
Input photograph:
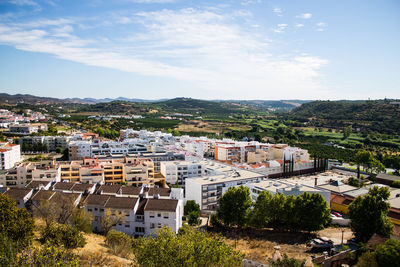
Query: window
x,y
151,214
152,226
101,210
95,209
158,214
89,210
159,225
139,229
165,215
127,225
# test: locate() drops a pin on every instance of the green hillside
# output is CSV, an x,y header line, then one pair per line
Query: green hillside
x,y
381,115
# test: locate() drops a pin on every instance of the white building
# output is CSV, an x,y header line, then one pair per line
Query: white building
x,y
206,190
9,155
285,187
177,171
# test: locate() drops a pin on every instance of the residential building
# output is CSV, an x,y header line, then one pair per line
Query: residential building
x,y
20,195
176,172
207,189
27,128
10,154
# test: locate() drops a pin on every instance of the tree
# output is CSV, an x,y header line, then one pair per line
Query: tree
x,y
192,210
233,206
188,248
60,209
363,158
82,220
48,255
313,211
389,253
368,214
15,223
109,220
259,215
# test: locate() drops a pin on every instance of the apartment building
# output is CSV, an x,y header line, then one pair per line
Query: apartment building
x,y
10,154
20,195
27,128
79,150
31,143
176,172
139,214
206,190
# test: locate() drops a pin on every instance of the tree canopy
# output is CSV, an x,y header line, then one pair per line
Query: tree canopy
x,y
234,205
368,214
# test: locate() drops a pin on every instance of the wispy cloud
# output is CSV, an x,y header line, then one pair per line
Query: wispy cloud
x,y
321,26
304,16
280,28
278,11
299,25
203,48
24,2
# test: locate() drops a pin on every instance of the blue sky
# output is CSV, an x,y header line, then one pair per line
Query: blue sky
x,y
248,49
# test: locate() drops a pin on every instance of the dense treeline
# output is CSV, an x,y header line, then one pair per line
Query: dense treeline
x,y
306,212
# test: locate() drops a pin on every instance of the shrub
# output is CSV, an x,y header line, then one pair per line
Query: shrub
x,y
8,251
286,262
82,220
119,243
62,235
48,255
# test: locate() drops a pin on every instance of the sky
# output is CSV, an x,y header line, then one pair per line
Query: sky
x,y
246,49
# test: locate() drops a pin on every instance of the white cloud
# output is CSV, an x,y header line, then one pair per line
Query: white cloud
x,y
304,16
281,28
299,25
278,11
249,2
201,48
321,26
23,2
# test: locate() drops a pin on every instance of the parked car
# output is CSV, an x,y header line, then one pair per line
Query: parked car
x,y
337,214
321,244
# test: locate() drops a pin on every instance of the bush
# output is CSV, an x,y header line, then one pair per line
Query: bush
x,y
62,235
396,184
286,262
214,220
48,256
82,220
188,248
15,223
8,251
119,243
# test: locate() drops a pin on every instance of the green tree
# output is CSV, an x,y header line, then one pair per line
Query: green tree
x,y
389,253
312,211
188,248
363,158
234,205
192,211
368,214
15,223
259,215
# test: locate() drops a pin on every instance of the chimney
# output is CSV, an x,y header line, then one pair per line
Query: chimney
x,y
156,196
315,181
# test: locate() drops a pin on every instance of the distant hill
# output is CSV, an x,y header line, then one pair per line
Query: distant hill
x,y
377,115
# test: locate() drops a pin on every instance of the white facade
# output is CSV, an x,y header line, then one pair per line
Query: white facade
x,y
10,154
177,171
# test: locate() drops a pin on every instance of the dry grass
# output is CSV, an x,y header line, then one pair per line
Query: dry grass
x,y
259,245
211,127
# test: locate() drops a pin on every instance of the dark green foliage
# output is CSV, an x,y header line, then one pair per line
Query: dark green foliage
x,y
355,182
329,152
389,253
8,251
368,214
62,235
286,262
234,205
119,243
308,212
188,248
192,211
15,223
